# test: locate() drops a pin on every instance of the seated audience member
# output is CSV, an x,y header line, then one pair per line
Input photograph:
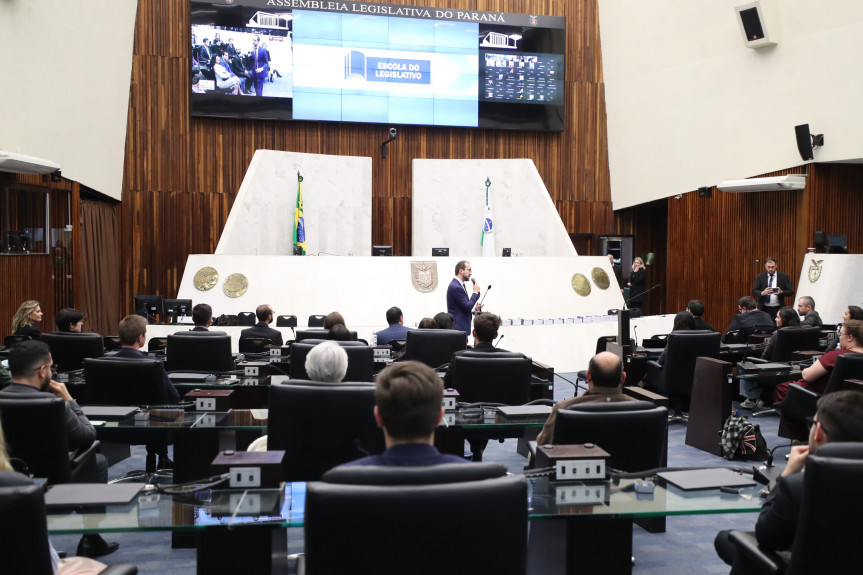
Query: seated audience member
x,y
749,317
264,313
408,407
605,377
69,320
202,317
225,77
485,326
133,337
25,319
427,323
340,333
328,362
683,321
696,308
67,565
851,312
396,329
751,390
30,364
806,309
444,320
839,418
333,318
816,376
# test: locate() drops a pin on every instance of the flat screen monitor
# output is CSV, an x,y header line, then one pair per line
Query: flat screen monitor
x,y
377,64
382,250
149,305
178,307
440,252
837,244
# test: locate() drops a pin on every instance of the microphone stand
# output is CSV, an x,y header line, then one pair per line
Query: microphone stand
x,y
482,300
626,303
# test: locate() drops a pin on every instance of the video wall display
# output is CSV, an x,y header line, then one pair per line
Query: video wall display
x,y
332,61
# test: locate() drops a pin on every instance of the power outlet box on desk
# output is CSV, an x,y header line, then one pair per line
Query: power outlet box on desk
x,y
247,476
586,462
279,351
255,368
211,399
581,494
450,398
250,469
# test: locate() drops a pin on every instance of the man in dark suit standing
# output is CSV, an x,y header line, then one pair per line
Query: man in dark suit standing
x,y
458,303
260,66
264,313
202,317
771,288
408,407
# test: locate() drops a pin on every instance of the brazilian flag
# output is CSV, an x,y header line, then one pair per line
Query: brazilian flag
x,y
299,222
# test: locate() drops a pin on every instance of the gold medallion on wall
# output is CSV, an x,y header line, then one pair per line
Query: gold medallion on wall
x,y
580,284
235,285
600,278
206,278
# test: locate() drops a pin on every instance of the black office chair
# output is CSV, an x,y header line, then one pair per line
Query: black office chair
x,y
657,341
436,474
361,359
24,530
36,433
124,381
321,425
601,345
433,347
831,483
286,321
304,334
674,378
386,529
492,378
634,433
800,403
246,318
791,339
112,342
157,345
254,344
11,340
68,349
199,351
316,321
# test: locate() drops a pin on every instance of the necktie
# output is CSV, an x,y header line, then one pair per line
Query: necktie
x,y
770,281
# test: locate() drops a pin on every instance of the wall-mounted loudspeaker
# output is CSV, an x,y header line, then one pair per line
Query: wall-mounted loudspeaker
x,y
758,23
804,142
820,239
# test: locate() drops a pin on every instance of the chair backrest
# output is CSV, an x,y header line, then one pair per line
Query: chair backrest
x,y
316,321
246,318
199,350
848,366
286,321
11,340
319,333
125,381
68,350
492,379
602,342
657,341
361,360
634,433
321,425
24,530
735,336
254,344
35,431
683,348
434,347
112,342
424,475
831,482
791,339
387,529
157,345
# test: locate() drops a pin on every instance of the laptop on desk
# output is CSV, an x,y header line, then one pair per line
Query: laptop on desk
x,y
108,412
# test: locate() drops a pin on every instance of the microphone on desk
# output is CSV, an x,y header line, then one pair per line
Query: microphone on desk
x,y
498,340
641,294
483,295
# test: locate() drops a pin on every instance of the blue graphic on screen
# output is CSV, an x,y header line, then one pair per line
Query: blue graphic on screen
x,y
365,68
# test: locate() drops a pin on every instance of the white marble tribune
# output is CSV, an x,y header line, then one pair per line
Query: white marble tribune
x,y
449,208
337,204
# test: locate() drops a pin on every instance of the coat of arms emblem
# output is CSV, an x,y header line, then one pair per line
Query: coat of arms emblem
x,y
424,276
815,271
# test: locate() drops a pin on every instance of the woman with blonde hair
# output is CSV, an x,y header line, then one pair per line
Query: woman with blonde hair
x,y
25,319
636,283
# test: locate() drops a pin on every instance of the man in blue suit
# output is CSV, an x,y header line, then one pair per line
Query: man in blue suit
x,y
458,303
260,66
396,329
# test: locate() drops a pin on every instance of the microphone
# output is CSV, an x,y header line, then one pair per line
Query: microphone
x,y
473,281
483,296
641,294
498,340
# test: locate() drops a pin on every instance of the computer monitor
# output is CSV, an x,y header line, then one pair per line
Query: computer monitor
x,y
149,305
837,244
178,307
440,252
68,350
382,250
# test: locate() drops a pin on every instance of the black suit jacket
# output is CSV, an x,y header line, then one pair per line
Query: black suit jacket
x,y
81,432
777,521
701,324
748,321
261,329
782,282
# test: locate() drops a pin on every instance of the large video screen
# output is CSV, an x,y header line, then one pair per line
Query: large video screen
x,y
332,61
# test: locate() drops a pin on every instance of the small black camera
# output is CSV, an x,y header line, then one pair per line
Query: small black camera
x,y
393,132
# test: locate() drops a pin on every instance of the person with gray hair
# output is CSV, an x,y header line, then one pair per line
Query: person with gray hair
x,y
806,310
327,362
